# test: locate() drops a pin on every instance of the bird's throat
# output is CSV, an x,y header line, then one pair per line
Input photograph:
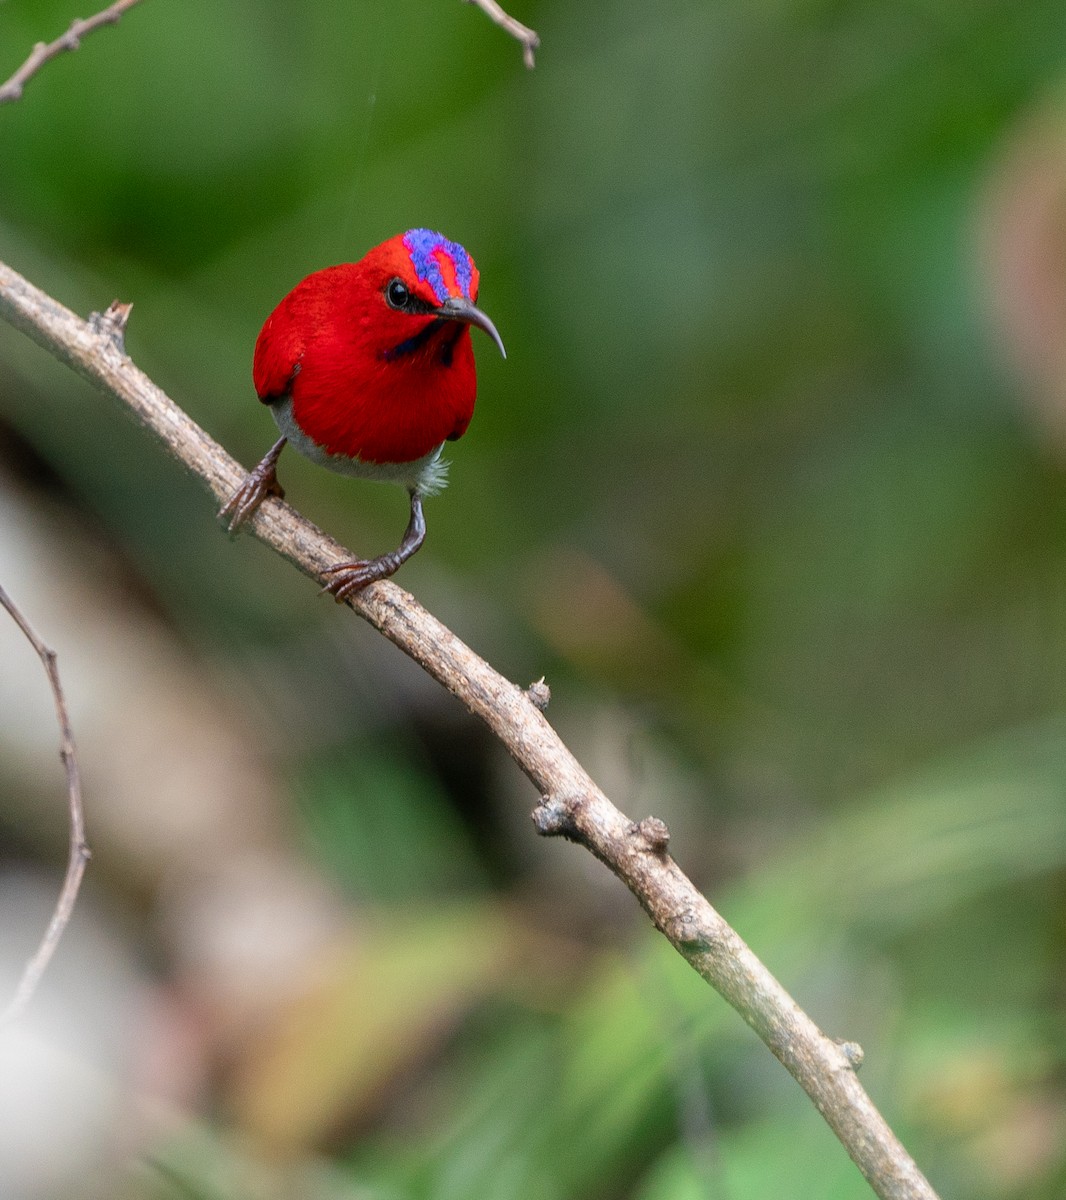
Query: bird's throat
x,y
415,343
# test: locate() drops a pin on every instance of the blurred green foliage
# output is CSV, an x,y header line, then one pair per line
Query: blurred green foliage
x,y
758,475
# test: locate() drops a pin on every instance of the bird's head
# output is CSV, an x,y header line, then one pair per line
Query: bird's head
x,y
426,286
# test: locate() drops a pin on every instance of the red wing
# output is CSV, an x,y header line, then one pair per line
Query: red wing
x,y
459,430
278,351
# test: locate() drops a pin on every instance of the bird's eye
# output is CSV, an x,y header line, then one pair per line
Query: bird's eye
x,y
396,293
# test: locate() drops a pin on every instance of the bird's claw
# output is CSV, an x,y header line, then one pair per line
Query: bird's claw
x,y
248,497
351,577
260,482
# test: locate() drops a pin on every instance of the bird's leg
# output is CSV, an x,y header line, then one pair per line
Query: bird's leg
x,y
260,482
354,576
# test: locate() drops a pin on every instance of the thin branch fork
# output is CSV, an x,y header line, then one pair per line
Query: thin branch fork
x,y
572,805
79,853
530,41
44,52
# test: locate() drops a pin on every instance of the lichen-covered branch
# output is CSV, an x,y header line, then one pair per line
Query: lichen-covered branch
x,y
571,804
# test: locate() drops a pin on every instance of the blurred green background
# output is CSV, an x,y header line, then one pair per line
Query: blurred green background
x,y
770,488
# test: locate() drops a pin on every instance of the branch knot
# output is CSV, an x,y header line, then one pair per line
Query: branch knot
x,y
853,1053
687,931
111,323
653,833
555,817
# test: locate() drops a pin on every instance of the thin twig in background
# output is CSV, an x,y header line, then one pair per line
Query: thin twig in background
x,y
44,52
79,849
530,40
571,804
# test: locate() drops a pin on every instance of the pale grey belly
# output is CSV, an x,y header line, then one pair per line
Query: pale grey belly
x,y
427,474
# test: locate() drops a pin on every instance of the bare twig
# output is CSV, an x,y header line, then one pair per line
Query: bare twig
x,y
522,33
79,850
571,805
44,52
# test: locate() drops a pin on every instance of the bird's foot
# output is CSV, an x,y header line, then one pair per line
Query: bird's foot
x,y
260,482
351,577
247,498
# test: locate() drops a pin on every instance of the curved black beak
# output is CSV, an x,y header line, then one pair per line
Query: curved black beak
x,y
455,308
